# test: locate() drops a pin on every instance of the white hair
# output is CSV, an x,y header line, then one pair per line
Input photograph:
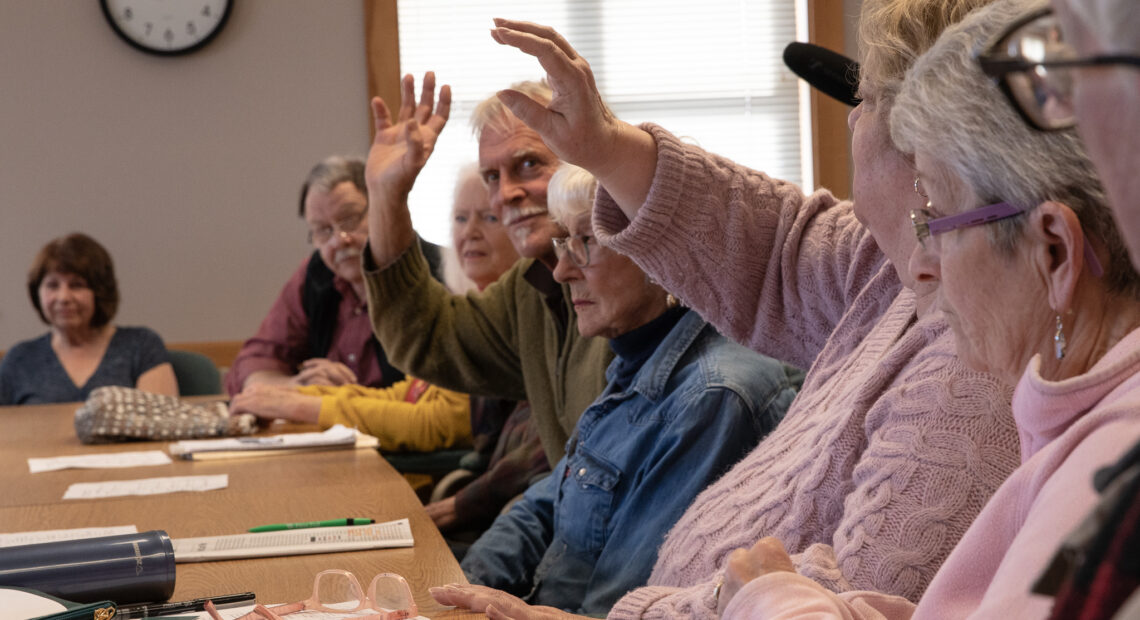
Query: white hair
x,y
570,194
453,277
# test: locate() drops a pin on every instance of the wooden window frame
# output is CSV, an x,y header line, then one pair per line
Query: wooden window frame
x,y
830,147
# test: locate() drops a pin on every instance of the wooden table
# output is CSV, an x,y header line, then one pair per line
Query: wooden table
x,y
300,487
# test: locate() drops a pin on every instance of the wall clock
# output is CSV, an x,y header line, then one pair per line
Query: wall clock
x,y
167,27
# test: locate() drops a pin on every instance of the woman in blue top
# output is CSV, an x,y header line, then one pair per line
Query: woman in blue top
x,y
73,289
681,406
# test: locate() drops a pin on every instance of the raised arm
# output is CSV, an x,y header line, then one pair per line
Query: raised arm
x,y
577,125
400,148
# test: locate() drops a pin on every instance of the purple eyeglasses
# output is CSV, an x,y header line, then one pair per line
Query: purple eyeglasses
x,y
926,226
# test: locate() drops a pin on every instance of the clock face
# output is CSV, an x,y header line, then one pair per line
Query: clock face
x,y
166,27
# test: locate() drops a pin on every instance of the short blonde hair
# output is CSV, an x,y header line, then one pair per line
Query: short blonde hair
x,y
570,194
893,33
491,113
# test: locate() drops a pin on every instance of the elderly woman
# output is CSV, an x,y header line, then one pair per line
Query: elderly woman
x,y
73,289
914,441
681,406
1025,209
411,415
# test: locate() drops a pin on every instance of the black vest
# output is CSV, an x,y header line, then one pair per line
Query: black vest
x,y
321,302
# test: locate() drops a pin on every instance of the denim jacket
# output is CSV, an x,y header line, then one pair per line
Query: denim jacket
x,y
588,533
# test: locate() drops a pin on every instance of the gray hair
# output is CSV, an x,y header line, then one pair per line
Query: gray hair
x,y
949,109
333,171
1116,23
492,114
570,194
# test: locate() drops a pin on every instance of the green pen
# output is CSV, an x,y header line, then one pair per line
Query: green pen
x,y
296,526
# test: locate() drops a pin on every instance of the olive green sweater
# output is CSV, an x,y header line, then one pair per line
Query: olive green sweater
x,y
517,339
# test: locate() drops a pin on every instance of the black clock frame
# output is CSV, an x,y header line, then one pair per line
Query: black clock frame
x,y
161,52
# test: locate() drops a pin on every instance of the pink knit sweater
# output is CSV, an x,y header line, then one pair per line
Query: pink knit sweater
x,y
892,446
1069,429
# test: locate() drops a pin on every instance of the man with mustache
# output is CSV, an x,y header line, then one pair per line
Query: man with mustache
x,y
515,339
318,332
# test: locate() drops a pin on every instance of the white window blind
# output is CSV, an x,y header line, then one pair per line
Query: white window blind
x,y
710,71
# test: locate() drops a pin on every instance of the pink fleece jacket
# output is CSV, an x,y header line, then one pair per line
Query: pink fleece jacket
x,y
892,446
1069,429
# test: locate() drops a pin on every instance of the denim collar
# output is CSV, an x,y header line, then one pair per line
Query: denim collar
x,y
652,379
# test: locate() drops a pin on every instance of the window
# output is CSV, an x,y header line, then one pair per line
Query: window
x,y
709,71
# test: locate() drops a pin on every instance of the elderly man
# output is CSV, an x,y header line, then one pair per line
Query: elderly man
x,y
515,339
318,332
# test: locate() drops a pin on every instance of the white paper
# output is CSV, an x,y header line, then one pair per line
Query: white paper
x,y
294,542
20,605
43,536
99,461
146,486
337,435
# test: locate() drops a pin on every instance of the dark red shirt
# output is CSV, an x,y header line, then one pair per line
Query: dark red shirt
x,y
282,341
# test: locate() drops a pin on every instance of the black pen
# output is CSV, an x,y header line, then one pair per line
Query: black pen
x,y
150,610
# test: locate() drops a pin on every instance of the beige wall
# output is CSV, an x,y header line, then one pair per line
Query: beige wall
x,y
187,169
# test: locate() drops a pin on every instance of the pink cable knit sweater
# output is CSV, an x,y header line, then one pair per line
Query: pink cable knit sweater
x,y
1069,429
892,446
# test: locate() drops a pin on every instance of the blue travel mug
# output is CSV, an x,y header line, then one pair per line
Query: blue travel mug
x,y
128,568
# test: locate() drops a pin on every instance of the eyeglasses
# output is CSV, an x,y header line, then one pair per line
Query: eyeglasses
x,y
1033,66
577,246
345,225
338,591
927,227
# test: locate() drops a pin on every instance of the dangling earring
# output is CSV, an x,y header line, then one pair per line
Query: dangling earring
x,y
1059,339
671,300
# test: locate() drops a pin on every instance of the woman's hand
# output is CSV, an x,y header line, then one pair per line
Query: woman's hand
x,y
400,148
276,403
498,605
766,556
577,125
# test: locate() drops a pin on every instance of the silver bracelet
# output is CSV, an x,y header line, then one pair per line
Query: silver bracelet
x,y
716,591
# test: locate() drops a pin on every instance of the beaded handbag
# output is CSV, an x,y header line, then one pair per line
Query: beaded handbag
x,y
122,414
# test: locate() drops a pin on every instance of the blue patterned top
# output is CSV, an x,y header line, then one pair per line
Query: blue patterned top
x,y
30,372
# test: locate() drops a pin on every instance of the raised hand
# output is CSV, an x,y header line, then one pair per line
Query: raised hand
x,y
403,145
577,125
400,148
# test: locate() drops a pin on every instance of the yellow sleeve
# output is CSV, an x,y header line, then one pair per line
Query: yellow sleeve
x,y
440,419
396,391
